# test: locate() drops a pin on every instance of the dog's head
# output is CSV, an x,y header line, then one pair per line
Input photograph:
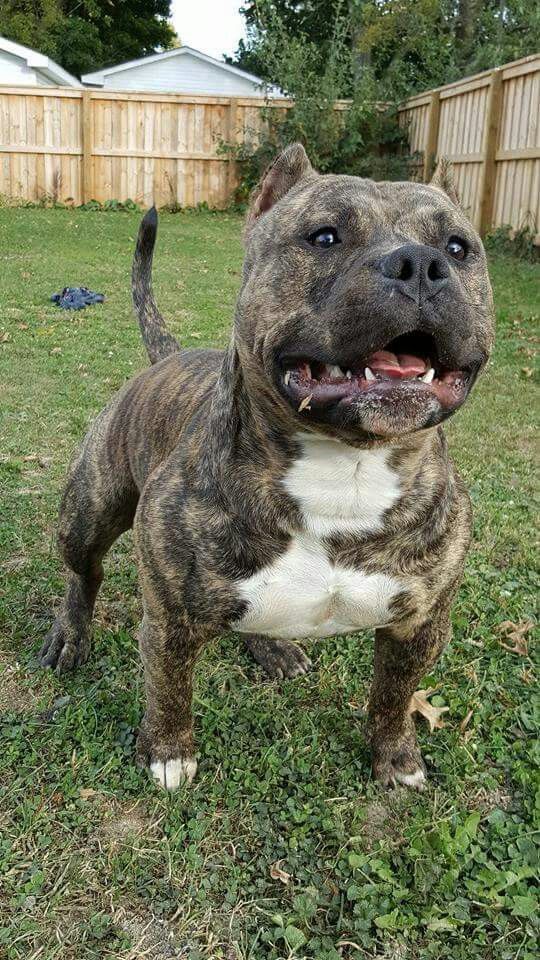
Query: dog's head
x,y
365,308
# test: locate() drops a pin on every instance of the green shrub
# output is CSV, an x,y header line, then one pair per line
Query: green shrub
x,y
519,243
360,135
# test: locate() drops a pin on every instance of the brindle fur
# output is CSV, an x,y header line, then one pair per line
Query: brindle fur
x,y
193,450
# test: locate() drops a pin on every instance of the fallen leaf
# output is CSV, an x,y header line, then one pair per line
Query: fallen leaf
x,y
43,462
516,632
86,792
420,704
465,722
278,874
4,337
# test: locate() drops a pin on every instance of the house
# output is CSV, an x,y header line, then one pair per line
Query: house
x,y
182,70
21,66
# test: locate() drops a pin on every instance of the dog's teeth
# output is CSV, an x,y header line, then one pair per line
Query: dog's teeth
x,y
348,374
369,375
428,377
286,378
335,372
305,404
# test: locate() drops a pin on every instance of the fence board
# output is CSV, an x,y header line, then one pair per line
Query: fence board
x,y
495,152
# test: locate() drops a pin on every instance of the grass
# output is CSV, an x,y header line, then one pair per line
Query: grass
x,y
96,861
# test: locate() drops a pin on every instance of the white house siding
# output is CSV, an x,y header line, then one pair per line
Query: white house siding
x,y
14,71
183,74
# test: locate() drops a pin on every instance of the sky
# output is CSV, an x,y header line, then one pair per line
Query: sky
x,y
212,26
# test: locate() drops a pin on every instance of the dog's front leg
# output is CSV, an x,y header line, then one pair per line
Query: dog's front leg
x,y
400,663
168,650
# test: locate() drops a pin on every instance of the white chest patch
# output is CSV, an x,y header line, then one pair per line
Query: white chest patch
x,y
302,593
341,489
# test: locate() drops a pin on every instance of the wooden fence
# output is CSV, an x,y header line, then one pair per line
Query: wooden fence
x,y
92,144
489,127
104,145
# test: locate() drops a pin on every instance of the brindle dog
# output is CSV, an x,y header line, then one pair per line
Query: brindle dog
x,y
297,484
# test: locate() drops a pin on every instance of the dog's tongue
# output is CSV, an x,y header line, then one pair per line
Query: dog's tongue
x,y
396,365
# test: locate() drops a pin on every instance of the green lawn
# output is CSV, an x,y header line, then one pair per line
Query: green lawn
x,y
97,861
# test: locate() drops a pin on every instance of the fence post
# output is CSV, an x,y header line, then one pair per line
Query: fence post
x,y
489,168
231,137
87,135
432,135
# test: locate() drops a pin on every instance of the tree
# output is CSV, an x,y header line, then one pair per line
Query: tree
x,y
362,137
311,21
83,35
409,45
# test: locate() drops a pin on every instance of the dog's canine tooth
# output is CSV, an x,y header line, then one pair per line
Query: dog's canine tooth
x,y
286,378
348,374
428,377
369,375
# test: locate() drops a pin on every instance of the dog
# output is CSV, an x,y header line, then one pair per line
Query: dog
x,y
297,484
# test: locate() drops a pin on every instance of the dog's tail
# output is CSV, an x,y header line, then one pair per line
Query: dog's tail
x,y
158,341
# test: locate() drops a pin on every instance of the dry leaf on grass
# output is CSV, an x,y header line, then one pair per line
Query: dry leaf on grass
x,y
517,632
278,874
465,722
420,704
43,462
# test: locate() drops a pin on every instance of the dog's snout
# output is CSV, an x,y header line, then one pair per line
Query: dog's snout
x,y
417,270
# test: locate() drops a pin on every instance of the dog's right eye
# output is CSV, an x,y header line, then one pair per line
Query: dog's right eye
x,y
324,238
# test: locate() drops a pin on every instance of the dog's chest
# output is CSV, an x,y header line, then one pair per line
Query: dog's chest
x,y
303,592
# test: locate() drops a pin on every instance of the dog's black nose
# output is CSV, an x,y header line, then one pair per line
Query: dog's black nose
x,y
417,270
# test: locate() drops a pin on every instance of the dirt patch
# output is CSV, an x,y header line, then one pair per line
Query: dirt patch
x,y
152,938
15,695
384,821
488,800
124,822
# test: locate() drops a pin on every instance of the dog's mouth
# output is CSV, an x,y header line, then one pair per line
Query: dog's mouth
x,y
405,367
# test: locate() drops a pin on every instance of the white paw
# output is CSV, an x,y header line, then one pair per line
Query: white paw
x,y
415,780
171,773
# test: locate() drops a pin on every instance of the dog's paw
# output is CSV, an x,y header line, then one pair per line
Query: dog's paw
x,y
280,659
404,767
172,773
170,761
63,648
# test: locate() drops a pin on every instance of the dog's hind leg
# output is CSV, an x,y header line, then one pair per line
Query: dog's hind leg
x,y
97,506
280,659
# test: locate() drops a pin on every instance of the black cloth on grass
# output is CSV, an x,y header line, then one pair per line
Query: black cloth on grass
x,y
76,298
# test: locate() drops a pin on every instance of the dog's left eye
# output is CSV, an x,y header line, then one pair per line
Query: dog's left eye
x,y
457,248
324,238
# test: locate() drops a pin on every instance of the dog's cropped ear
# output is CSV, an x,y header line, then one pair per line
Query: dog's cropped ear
x,y
444,180
289,167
